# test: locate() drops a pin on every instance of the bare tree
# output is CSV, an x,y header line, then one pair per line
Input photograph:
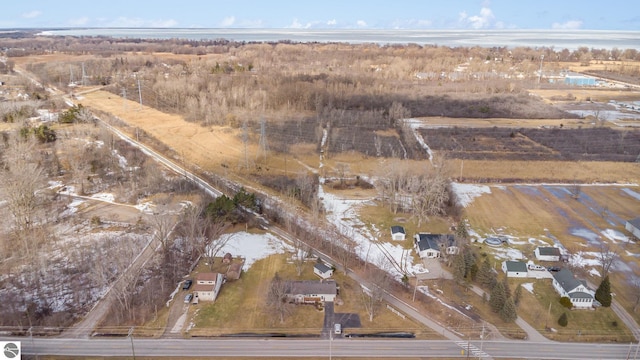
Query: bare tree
x,y
606,257
301,251
378,280
215,241
277,298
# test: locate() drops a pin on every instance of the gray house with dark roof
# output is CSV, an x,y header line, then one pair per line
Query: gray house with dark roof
x,y
311,291
429,246
633,226
566,284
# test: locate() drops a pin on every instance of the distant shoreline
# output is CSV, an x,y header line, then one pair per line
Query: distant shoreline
x,y
557,39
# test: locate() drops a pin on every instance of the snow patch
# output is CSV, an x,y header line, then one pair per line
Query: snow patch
x,y
615,235
466,193
252,247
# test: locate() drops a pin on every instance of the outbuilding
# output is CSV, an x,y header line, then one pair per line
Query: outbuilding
x,y
515,269
547,253
633,226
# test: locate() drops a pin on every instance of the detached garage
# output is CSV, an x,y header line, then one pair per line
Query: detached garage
x,y
515,269
633,226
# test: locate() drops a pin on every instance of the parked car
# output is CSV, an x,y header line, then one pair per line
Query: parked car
x,y
188,298
337,329
553,268
187,284
535,267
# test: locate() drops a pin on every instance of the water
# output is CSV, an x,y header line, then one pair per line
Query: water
x,y
557,39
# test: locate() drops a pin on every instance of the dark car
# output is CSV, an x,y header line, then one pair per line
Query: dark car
x,y
553,268
187,284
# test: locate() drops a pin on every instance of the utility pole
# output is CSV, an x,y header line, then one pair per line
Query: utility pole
x,y
540,75
264,146
245,140
415,288
140,93
133,350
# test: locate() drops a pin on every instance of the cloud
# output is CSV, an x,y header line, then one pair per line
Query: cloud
x,y
411,24
298,25
31,14
139,22
228,21
361,23
79,21
482,21
332,22
571,24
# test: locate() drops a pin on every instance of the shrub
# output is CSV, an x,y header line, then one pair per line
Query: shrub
x,y
563,320
566,302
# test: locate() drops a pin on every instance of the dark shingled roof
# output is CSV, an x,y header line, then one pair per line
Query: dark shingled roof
x,y
517,266
635,222
397,229
322,267
548,250
306,287
430,241
566,279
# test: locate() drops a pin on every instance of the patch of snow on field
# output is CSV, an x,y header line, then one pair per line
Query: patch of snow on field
x,y
595,272
585,234
72,208
615,235
416,124
145,207
467,192
104,197
631,193
252,247
580,259
508,253
343,214
528,287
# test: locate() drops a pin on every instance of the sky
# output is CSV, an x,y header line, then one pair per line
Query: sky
x,y
325,14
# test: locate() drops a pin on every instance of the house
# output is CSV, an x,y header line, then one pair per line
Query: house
x,y
515,269
207,286
566,284
633,226
430,246
547,253
322,270
397,233
311,291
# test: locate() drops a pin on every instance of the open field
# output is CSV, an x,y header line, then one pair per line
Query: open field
x,y
548,215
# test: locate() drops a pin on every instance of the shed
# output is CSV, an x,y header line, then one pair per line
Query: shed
x,y
633,226
516,269
397,233
547,253
322,270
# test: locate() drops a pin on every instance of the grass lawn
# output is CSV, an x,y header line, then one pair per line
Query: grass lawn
x,y
543,310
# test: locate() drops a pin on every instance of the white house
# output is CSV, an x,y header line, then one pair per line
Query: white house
x,y
547,253
430,246
565,284
207,286
322,270
633,226
311,291
515,269
397,233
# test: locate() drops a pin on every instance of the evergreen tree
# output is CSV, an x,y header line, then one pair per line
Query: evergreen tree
x,y
498,297
486,276
563,320
508,312
603,293
517,294
459,269
461,230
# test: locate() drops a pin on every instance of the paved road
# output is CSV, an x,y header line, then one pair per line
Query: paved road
x,y
299,348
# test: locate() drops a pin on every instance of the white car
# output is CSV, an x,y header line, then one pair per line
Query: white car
x,y
187,298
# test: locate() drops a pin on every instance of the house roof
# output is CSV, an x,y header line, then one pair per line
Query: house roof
x,y
208,276
311,287
548,251
322,267
204,287
580,295
432,241
516,266
396,229
635,222
567,280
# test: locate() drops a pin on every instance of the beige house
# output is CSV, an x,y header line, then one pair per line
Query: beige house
x,y
207,286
